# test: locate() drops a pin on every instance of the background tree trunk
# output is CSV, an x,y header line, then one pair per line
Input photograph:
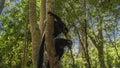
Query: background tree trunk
x,y
49,36
100,46
86,38
1,5
35,32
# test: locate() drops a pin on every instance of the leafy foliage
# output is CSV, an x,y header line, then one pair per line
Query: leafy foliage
x,y
74,14
12,34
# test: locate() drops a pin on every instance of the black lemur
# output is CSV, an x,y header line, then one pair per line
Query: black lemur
x,y
59,27
60,44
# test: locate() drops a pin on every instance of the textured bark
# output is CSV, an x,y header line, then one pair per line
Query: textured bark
x,y
100,46
42,25
35,32
100,52
1,5
85,38
86,46
101,56
49,36
42,16
98,42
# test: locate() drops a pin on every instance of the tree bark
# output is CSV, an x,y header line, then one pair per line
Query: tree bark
x,y
85,35
42,24
1,5
101,56
98,42
86,46
42,16
100,45
50,47
35,32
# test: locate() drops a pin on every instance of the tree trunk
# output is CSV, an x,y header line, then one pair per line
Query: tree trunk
x,y
35,32
86,46
98,42
100,46
1,5
85,35
42,16
42,24
101,56
50,47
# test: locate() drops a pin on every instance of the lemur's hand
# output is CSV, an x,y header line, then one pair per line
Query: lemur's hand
x,y
50,13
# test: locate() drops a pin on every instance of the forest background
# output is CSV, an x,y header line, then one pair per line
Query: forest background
x,y
94,27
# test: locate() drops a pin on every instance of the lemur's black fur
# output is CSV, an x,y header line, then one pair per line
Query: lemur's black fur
x,y
59,27
60,44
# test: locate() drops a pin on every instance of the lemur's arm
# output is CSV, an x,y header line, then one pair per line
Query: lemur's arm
x,y
54,15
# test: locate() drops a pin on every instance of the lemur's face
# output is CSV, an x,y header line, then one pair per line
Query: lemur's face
x,y
65,30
